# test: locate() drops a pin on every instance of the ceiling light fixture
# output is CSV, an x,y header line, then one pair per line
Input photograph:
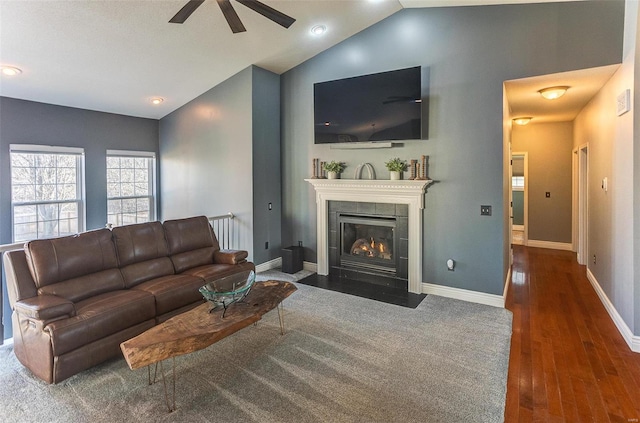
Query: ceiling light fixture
x,y
10,70
318,29
157,100
552,93
522,120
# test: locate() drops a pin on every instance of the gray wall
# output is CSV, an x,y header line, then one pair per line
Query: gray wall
x,y
266,165
219,153
610,140
469,51
549,147
27,122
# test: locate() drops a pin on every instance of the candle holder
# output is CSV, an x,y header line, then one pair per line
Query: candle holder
x,y
412,168
422,169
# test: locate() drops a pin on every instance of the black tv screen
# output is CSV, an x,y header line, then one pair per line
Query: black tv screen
x,y
379,107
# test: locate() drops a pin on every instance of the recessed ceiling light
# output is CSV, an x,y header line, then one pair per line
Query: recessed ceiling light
x,y
522,120
318,29
157,100
10,70
552,93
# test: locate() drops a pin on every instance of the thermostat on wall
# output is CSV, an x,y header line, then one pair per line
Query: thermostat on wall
x,y
624,102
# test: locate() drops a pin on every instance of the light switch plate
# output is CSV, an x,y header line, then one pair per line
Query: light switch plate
x,y
624,102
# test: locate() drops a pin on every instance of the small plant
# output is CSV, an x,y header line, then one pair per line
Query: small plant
x,y
396,165
334,166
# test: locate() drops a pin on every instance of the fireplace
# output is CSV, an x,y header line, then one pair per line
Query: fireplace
x,y
368,243
404,195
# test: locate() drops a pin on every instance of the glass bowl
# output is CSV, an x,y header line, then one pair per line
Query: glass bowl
x,y
228,290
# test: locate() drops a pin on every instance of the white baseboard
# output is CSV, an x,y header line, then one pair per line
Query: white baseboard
x,y
632,340
271,264
312,267
277,262
565,246
463,294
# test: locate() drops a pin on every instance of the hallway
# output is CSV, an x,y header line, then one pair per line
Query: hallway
x,y
568,361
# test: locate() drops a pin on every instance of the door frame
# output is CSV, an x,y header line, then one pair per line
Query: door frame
x,y
525,159
580,200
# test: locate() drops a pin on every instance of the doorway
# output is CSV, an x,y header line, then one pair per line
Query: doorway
x,y
519,198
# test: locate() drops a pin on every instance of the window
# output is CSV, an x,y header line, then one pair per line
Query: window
x,y
517,183
130,187
47,191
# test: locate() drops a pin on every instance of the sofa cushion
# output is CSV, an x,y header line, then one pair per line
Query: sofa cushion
x,y
138,243
100,316
86,286
142,252
172,292
55,260
191,259
211,272
135,274
191,242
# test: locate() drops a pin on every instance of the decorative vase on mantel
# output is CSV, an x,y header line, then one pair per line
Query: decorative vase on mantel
x,y
394,175
332,175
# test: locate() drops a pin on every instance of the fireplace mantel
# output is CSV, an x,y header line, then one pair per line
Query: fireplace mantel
x,y
373,191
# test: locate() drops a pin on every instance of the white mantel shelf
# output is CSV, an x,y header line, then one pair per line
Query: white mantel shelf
x,y
373,191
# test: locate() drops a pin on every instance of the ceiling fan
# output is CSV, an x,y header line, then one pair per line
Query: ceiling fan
x,y
232,17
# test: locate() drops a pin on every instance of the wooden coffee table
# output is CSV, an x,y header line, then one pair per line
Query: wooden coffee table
x,y
196,329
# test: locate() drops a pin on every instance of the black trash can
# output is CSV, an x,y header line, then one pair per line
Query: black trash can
x,y
292,259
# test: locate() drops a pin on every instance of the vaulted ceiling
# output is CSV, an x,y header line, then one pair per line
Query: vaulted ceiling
x,y
115,56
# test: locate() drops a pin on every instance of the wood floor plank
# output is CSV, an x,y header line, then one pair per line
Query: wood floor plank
x,y
568,362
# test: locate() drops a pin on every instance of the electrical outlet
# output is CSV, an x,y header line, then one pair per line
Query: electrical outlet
x,y
266,245
270,206
485,210
547,194
594,259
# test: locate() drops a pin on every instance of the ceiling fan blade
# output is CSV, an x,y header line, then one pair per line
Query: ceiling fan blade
x,y
268,12
186,11
231,16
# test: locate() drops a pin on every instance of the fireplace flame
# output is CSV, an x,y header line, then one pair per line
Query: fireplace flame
x,y
370,248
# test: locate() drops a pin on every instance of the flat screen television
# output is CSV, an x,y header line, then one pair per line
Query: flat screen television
x,y
384,106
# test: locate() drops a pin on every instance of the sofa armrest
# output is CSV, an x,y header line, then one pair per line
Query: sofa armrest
x,y
230,256
45,307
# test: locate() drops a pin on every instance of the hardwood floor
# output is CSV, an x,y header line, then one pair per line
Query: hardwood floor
x,y
568,361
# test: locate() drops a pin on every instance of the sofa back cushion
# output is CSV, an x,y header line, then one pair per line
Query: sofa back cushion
x,y
143,253
74,267
191,242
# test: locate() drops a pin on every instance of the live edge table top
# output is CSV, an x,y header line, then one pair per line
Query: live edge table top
x,y
197,329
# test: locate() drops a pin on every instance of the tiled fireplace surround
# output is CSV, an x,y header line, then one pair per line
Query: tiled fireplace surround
x,y
411,193
351,208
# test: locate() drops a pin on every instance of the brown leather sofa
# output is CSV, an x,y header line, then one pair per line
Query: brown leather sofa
x,y
76,298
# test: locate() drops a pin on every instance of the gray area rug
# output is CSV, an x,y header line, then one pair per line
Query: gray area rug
x,y
342,359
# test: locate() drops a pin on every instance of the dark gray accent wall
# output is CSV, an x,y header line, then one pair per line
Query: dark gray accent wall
x,y
266,165
27,122
469,52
